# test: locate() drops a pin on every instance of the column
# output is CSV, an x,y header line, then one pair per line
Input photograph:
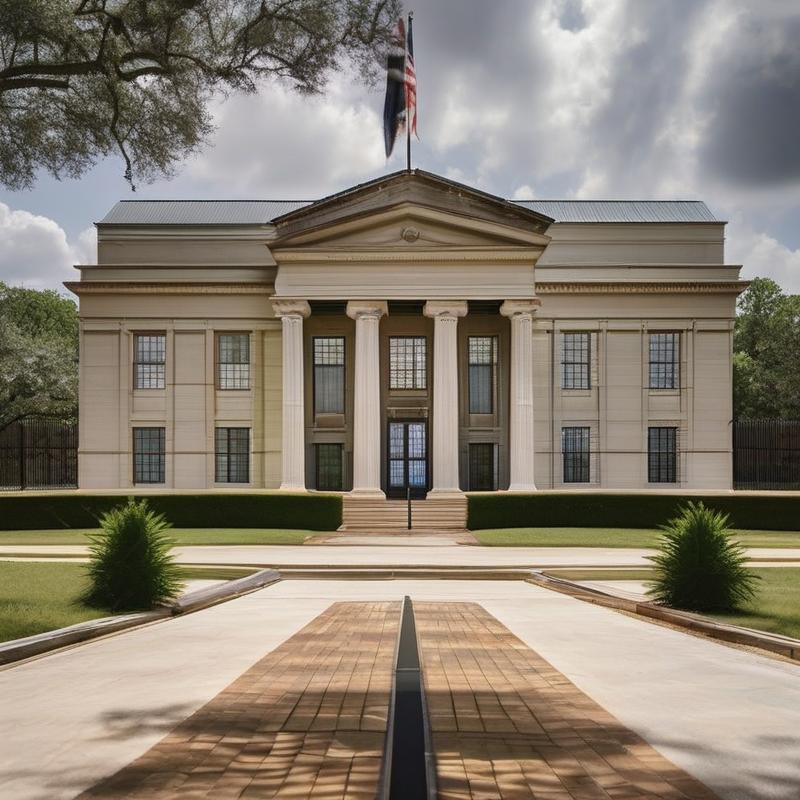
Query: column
x,y
367,397
293,442
521,434
445,393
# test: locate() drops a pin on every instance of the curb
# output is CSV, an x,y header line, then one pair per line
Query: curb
x,y
42,643
774,643
390,573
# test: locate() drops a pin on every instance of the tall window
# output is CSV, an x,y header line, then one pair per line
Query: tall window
x,y
408,362
665,359
233,361
662,455
149,357
330,476
232,455
148,455
575,452
576,360
482,358
482,467
329,375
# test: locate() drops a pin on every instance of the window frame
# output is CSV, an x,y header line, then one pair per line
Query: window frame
x,y
657,470
162,373
229,429
318,462
493,370
572,363
314,366
575,464
675,362
161,454
414,364
219,363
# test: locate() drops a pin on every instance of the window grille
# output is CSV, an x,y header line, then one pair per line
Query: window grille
x,y
330,476
665,354
232,455
482,467
662,455
329,374
408,362
482,359
575,451
148,455
233,361
576,361
149,360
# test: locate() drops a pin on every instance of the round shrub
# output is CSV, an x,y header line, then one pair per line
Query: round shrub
x,y
700,567
130,566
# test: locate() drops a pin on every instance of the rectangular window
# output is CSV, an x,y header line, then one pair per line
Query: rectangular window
x,y
665,359
232,455
482,359
330,476
408,362
482,467
575,452
149,360
662,455
576,361
329,375
149,455
233,361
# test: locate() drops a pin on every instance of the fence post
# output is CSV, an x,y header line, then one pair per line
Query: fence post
x,y
22,480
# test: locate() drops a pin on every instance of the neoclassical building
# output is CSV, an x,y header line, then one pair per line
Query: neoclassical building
x,y
409,334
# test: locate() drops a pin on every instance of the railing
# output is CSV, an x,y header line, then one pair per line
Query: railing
x,y
766,454
39,453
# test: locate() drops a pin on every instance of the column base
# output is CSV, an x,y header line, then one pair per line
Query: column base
x,y
376,494
522,487
445,494
290,487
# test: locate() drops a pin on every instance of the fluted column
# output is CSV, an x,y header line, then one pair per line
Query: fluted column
x,y
367,397
521,434
293,461
445,392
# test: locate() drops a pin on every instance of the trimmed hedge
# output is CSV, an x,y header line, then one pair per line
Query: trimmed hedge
x,y
567,510
316,512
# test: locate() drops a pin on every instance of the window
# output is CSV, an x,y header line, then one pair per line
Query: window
x,y
482,359
232,455
329,468
233,357
665,355
575,452
575,361
148,455
408,362
662,455
329,375
481,467
149,357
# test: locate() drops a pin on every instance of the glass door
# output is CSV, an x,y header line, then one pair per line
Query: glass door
x,y
408,459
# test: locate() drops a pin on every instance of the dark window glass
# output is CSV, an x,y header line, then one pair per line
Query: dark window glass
x,y
575,361
149,356
233,368
232,455
329,375
329,467
575,451
407,362
148,455
662,455
481,467
665,359
482,358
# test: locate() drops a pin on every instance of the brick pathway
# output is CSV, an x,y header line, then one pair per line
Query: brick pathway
x,y
307,721
507,725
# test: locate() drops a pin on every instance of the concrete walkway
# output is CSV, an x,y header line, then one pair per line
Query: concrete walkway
x,y
729,717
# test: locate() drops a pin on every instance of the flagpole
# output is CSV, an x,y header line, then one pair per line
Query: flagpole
x,y
408,118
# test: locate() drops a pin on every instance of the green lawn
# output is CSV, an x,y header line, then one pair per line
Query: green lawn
x,y
613,537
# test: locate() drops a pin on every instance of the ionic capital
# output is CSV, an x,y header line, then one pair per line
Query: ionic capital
x,y
290,307
445,308
514,308
367,308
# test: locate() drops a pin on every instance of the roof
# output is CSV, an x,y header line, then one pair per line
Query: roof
x,y
622,210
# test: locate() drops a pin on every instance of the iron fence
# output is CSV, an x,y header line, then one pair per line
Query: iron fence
x,y
39,454
766,454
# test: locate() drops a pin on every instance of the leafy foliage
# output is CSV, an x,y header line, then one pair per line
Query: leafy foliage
x,y
699,566
80,79
766,381
38,355
131,567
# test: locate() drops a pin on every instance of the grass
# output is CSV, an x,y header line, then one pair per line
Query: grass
x,y
613,537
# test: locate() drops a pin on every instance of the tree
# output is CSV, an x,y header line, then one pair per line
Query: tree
x,y
766,378
81,79
38,355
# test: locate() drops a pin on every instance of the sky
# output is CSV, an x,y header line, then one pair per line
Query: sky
x,y
546,99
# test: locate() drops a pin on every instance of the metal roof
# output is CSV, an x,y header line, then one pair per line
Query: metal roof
x,y
262,212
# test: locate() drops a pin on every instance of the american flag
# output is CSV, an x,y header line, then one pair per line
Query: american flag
x,y
411,82
394,107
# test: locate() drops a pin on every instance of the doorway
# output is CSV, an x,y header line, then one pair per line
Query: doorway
x,y
407,458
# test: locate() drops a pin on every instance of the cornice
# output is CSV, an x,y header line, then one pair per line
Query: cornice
x,y
641,287
131,287
527,255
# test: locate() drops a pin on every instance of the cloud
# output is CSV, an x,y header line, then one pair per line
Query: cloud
x,y
765,257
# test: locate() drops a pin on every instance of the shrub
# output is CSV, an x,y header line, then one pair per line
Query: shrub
x,y
700,567
131,567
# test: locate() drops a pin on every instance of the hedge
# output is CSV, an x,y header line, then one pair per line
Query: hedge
x,y
567,510
316,512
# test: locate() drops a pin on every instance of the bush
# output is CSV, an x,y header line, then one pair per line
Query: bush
x,y
700,567
131,567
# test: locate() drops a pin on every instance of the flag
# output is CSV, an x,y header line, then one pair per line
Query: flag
x,y
411,83
394,106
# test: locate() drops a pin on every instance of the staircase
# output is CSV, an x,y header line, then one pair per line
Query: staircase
x,y
377,514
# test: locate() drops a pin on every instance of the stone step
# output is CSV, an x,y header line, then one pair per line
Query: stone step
x,y
367,513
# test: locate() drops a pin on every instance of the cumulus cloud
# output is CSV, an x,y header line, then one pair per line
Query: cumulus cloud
x,y
764,256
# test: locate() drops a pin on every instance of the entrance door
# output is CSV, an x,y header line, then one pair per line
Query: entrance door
x,y
408,458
